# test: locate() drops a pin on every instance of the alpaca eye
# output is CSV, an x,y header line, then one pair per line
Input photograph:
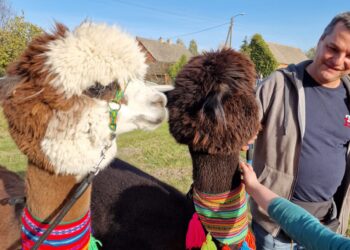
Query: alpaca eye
x,y
95,90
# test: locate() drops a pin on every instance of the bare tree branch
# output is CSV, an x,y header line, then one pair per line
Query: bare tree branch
x,y
6,12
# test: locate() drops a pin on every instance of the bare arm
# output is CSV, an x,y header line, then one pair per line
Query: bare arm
x,y
261,194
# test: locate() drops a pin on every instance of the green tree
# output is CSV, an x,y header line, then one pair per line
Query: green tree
x,y
311,53
176,67
260,54
14,38
193,48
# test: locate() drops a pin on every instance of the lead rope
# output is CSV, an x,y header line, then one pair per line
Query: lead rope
x,y
79,191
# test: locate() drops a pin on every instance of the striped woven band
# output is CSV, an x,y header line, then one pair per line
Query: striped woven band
x,y
73,236
223,215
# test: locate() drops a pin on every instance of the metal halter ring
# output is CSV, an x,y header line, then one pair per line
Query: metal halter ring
x,y
114,107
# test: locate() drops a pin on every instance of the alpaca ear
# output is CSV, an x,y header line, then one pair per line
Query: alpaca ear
x,y
163,88
7,84
31,62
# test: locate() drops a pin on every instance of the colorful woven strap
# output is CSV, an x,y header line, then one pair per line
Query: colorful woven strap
x,y
224,215
73,236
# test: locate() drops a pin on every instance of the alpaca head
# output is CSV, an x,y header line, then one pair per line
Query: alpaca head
x,y
212,108
58,112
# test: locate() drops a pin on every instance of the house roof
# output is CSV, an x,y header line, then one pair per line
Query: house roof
x,y
158,68
286,54
163,51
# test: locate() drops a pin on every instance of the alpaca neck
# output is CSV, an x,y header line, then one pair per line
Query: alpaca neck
x,y
215,173
217,182
47,193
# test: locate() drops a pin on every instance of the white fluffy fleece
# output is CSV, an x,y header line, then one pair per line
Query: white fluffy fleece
x,y
94,53
74,139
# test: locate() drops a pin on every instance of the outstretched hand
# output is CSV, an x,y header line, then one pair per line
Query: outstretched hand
x,y
249,177
261,194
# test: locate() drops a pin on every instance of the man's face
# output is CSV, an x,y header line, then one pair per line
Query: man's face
x,y
332,59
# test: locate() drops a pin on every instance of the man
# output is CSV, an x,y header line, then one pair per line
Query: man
x,y
302,151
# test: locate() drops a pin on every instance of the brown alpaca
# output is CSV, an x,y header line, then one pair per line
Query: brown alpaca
x,y
213,110
58,114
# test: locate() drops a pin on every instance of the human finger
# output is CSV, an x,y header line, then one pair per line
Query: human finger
x,y
251,141
243,166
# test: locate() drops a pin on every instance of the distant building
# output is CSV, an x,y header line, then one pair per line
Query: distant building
x,y
159,56
286,55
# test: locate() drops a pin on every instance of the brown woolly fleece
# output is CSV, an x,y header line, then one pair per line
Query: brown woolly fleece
x,y
31,63
33,98
29,108
212,108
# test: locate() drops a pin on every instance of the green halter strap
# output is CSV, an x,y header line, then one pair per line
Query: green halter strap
x,y
114,107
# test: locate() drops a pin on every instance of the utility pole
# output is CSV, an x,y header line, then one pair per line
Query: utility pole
x,y
228,43
229,34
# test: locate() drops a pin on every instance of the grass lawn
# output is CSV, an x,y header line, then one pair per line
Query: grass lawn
x,y
10,156
154,152
158,154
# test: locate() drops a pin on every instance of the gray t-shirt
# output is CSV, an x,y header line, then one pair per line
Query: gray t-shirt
x,y
322,160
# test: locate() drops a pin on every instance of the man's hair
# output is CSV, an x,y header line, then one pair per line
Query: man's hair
x,y
342,17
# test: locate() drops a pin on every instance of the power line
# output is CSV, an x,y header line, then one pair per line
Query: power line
x,y
160,10
199,31
173,14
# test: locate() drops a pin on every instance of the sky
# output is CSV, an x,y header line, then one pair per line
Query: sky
x,y
294,23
